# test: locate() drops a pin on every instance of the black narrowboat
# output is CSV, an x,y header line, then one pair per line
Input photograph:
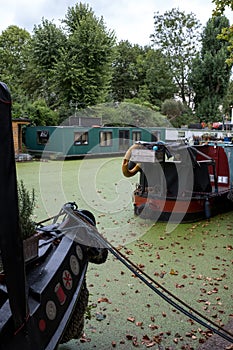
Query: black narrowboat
x,y
43,298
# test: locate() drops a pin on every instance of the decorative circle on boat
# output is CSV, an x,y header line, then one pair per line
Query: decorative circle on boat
x,y
51,310
42,325
79,252
74,265
60,293
67,279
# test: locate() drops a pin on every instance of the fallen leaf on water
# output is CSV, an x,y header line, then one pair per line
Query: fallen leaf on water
x,y
149,345
84,339
104,299
153,327
145,338
157,338
141,266
129,336
162,274
202,340
135,342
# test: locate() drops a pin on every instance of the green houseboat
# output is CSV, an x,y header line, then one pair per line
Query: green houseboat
x,y
78,141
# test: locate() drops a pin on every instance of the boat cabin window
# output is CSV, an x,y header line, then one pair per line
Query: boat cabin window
x,y
80,138
105,138
136,136
181,134
42,137
155,136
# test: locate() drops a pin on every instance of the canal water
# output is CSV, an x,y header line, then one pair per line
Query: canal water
x,y
193,261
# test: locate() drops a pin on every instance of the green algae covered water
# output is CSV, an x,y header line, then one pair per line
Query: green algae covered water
x,y
194,261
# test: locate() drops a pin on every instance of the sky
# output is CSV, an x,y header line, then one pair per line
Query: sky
x,y
131,20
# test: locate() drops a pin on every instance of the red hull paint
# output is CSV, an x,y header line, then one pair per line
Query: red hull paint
x,y
180,209
171,205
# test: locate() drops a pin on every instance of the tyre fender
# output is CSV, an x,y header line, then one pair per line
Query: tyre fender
x,y
127,172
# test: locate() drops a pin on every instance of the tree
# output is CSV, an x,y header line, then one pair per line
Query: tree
x,y
127,77
227,32
159,78
45,46
177,113
82,74
228,100
177,36
142,74
41,114
210,74
14,42
125,113
221,5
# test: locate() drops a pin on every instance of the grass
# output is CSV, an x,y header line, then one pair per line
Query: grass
x,y
193,261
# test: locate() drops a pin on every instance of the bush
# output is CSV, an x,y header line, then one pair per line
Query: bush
x,y
26,202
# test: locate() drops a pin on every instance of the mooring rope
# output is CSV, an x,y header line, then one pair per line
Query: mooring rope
x,y
140,274
149,281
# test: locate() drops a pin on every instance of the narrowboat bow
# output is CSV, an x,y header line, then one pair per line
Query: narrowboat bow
x,y
42,300
180,182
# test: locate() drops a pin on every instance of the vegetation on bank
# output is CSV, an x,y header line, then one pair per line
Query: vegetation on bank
x,y
57,70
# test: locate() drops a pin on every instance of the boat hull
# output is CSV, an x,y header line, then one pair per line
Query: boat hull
x,y
183,209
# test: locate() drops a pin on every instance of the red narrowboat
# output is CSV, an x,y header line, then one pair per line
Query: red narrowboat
x,y
180,182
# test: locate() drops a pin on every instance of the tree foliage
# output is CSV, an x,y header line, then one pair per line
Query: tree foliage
x,y
177,113
126,71
41,114
142,74
221,6
82,74
46,43
13,57
55,69
227,32
126,113
177,35
13,44
210,74
159,77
